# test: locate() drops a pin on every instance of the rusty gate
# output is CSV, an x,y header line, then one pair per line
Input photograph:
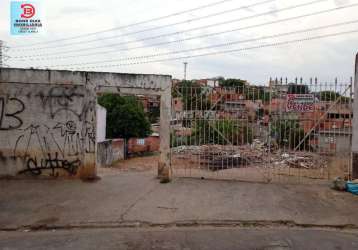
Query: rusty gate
x,y
287,131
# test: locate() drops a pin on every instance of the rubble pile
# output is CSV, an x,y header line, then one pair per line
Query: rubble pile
x,y
186,149
307,160
219,157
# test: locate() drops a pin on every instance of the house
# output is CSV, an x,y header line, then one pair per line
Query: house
x,y
334,140
275,106
150,103
277,89
326,117
213,83
144,145
178,105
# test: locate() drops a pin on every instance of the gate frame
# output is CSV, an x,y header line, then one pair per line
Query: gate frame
x,y
322,172
140,84
355,124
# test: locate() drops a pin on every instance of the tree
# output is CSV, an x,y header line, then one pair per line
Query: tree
x,y
125,117
288,133
222,132
153,114
193,96
254,93
331,96
233,83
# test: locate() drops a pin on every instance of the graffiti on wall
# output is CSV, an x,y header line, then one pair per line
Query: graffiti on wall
x,y
63,138
10,119
36,167
59,99
51,131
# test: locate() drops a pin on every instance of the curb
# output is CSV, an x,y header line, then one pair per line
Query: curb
x,y
178,224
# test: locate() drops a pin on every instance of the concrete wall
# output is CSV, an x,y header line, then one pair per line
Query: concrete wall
x,y
48,119
143,145
110,151
101,123
47,124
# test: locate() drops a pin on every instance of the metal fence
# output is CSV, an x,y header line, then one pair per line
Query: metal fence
x,y
288,131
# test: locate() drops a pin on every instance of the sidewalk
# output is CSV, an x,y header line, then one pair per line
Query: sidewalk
x,y
137,198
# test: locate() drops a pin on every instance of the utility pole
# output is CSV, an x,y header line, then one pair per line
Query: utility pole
x,y
185,68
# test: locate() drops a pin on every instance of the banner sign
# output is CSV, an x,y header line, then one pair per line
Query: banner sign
x,y
25,18
300,103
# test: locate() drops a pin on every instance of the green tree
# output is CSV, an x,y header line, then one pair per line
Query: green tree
x,y
288,133
254,93
221,132
238,84
153,114
331,96
125,117
193,95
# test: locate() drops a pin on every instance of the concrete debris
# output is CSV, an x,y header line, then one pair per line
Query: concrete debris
x,y
185,149
219,157
285,156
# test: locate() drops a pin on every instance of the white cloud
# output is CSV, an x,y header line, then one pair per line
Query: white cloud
x,y
341,2
324,58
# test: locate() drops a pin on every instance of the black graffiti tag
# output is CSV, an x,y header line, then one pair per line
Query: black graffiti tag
x,y
61,99
36,167
11,118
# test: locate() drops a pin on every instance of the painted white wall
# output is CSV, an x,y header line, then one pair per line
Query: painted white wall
x,y
101,123
213,83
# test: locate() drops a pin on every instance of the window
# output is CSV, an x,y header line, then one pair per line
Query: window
x,y
140,141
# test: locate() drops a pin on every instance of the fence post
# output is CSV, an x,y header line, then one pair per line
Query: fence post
x,y
355,124
164,165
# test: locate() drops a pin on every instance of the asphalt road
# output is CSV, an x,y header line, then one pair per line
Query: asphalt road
x,y
181,238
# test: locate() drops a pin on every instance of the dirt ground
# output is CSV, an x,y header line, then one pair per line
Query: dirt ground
x,y
188,168
135,164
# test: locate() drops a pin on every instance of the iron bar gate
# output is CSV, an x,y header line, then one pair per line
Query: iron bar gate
x,y
288,131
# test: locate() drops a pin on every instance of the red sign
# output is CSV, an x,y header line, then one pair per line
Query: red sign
x,y
300,103
28,10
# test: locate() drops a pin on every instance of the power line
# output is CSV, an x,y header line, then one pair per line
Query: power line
x,y
129,25
183,31
43,56
160,27
276,44
215,46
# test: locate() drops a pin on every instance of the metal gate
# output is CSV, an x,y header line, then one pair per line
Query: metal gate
x,y
288,131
